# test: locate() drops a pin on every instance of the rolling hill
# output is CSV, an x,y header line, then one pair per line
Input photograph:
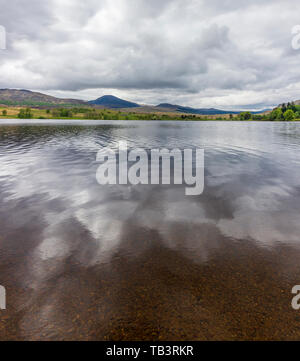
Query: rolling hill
x,y
20,97
201,111
110,101
24,97
182,109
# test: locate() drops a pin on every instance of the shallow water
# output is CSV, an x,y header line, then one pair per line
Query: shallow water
x,y
84,261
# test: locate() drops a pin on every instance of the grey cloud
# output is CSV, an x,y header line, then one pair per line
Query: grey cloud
x,y
159,49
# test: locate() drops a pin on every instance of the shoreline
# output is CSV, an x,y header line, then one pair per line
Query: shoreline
x,y
159,120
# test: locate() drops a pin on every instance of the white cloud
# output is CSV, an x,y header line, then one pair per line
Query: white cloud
x,y
199,53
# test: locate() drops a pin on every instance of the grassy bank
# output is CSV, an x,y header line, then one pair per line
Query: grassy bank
x,y
88,113
96,114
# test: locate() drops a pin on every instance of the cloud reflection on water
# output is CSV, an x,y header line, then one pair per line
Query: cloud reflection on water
x,y
50,197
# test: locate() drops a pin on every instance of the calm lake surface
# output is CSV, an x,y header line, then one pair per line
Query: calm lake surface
x,y
89,262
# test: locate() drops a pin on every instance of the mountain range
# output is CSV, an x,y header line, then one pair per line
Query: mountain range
x,y
202,111
17,96
110,101
27,97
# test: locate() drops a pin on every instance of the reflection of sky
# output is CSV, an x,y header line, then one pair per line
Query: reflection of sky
x,y
54,213
47,175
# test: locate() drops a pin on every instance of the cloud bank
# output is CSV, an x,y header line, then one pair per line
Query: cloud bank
x,y
229,54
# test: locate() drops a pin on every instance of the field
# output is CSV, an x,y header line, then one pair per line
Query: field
x,y
13,112
145,113
92,113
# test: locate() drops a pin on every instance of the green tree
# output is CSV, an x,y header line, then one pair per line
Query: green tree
x,y
4,112
66,113
289,115
278,114
293,107
245,116
25,113
283,108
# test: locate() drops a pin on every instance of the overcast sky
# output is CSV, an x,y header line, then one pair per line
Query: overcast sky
x,y
230,54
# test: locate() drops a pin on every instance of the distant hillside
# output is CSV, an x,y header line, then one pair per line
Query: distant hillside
x,y
24,97
201,111
182,109
14,97
110,101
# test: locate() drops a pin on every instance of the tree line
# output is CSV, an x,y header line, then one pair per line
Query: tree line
x,y
285,112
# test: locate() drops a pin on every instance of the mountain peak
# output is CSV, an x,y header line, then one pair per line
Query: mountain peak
x,y
111,101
